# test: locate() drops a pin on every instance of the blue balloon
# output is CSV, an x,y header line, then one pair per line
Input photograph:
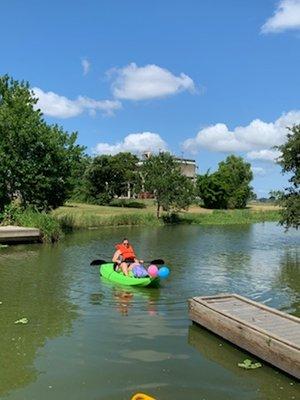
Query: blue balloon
x,y
163,272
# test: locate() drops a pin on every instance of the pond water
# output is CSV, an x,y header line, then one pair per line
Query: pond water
x,y
89,339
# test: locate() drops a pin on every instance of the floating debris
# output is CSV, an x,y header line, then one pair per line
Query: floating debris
x,y
248,364
22,321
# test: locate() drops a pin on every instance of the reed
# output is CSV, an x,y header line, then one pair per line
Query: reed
x,y
48,225
71,221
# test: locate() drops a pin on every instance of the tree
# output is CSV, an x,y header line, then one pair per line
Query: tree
x,y
228,187
108,176
212,191
290,162
37,160
162,176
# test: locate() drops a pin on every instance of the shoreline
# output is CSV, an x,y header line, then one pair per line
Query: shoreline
x,y
80,216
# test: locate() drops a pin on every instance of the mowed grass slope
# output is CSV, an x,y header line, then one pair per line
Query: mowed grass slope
x,y
80,215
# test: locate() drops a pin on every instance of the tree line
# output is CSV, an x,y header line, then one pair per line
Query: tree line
x,y
43,166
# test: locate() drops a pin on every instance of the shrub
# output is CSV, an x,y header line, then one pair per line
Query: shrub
x,y
126,203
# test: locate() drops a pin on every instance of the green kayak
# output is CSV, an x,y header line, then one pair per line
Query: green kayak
x,y
108,272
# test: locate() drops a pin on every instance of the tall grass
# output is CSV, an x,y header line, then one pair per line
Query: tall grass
x,y
227,217
49,227
69,221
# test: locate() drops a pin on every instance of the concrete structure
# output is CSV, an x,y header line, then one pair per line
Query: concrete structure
x,y
188,167
18,234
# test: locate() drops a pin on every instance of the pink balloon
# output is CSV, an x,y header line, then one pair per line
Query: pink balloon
x,y
153,271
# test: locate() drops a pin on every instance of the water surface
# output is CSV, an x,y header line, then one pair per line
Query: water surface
x,y
89,339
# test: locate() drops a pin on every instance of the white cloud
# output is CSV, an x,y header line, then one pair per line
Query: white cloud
x,y
258,171
257,137
286,16
139,83
137,143
106,106
264,155
86,65
58,106
215,138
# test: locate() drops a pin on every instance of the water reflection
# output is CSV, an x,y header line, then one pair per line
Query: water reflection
x,y
32,285
123,301
227,356
126,299
288,278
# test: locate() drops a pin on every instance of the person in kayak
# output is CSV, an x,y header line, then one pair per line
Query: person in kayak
x,y
125,256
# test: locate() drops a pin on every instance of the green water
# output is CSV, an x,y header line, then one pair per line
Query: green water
x,y
88,339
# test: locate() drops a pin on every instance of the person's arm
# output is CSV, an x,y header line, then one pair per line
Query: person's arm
x,y
116,257
139,261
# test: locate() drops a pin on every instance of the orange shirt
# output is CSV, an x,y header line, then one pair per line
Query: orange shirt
x,y
126,252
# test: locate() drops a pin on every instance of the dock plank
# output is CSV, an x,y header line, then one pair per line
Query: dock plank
x,y
15,234
270,334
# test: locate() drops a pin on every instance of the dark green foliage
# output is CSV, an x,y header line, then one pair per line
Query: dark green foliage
x,y
37,160
127,203
228,187
77,179
212,191
290,162
108,176
162,176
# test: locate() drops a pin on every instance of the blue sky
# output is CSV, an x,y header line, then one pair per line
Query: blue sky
x,y
200,78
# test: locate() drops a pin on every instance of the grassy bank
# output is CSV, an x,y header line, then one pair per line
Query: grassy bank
x,y
48,225
230,217
83,216
76,216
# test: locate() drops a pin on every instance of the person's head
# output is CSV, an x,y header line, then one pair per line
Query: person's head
x,y
125,242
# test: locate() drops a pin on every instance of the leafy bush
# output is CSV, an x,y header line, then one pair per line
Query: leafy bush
x,y
126,203
228,187
102,199
172,218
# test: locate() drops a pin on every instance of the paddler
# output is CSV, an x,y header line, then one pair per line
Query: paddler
x,y
125,256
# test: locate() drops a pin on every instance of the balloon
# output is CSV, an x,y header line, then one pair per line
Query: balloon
x,y
163,272
139,271
152,270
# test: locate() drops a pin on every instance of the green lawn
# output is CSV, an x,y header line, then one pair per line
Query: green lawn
x,y
79,215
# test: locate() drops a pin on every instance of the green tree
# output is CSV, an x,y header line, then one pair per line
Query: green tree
x,y
108,176
37,160
290,163
212,191
162,176
228,187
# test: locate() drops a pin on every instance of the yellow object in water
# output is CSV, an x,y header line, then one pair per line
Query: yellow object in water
x,y
142,396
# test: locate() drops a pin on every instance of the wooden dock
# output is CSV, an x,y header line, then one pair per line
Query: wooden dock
x,y
18,234
269,334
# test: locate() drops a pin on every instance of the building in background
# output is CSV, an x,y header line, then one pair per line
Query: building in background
x,y
188,168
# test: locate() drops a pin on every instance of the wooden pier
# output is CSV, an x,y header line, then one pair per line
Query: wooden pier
x,y
269,334
18,234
